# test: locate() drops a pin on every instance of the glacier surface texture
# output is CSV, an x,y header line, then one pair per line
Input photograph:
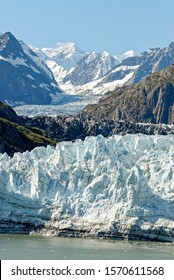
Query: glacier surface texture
x,y
120,187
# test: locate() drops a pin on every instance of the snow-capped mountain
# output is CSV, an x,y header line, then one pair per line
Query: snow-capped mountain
x,y
65,54
131,70
67,61
120,187
62,59
90,68
78,72
25,79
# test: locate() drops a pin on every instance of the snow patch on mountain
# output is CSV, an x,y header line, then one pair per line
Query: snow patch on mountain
x,y
101,86
130,53
40,63
116,187
58,71
16,62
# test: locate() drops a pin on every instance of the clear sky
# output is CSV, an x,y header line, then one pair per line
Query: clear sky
x,y
112,25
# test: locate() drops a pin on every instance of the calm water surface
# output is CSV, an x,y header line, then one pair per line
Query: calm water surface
x,y
33,247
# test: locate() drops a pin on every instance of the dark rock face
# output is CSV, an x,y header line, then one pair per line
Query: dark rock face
x,y
24,78
71,128
118,232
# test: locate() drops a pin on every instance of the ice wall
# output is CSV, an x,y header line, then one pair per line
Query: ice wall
x,y
120,187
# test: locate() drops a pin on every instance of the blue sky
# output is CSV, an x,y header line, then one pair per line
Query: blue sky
x,y
112,25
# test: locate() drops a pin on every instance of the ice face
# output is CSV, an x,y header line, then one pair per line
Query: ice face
x,y
95,184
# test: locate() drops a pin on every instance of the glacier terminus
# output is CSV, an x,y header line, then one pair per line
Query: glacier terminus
x,y
118,187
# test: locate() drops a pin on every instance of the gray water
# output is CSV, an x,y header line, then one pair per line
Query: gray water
x,y
23,247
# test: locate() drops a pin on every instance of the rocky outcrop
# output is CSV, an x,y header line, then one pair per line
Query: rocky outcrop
x,y
8,113
15,136
70,128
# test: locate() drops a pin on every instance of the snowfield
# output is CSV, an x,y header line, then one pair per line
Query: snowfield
x,y
120,187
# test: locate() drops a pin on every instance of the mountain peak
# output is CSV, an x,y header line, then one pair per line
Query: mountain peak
x,y
9,45
105,54
8,33
91,67
130,53
65,44
171,45
24,78
66,54
7,36
65,48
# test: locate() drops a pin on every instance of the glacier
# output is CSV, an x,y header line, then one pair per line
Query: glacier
x,y
64,104
118,187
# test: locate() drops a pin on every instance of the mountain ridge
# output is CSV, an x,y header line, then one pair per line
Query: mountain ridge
x,y
130,69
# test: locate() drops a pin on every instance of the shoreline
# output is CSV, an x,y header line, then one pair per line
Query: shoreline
x,y
120,233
